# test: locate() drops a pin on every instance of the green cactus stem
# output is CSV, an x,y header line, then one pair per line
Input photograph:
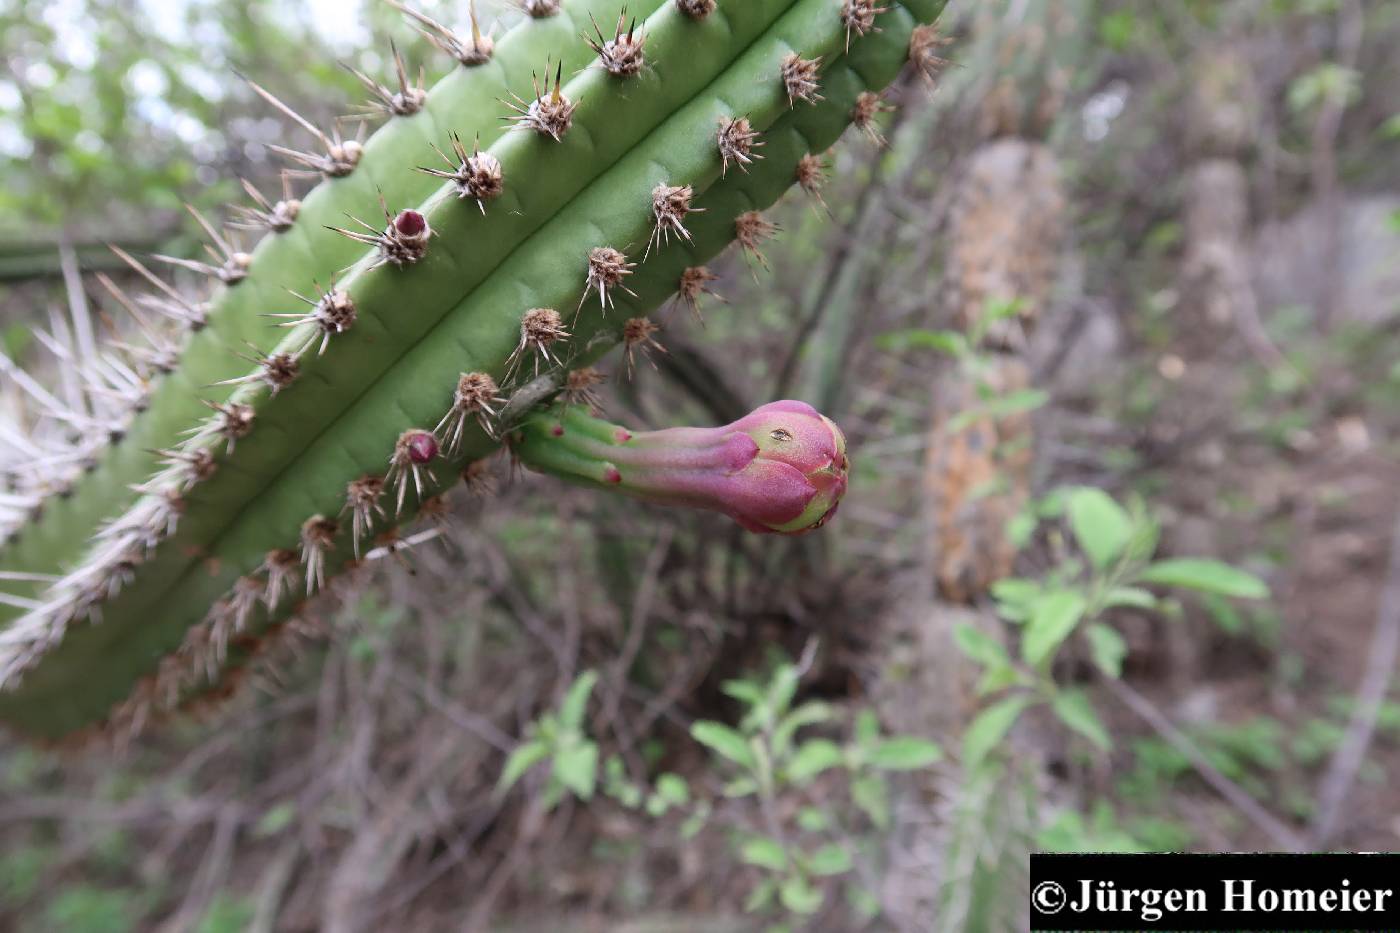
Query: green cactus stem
x,y
300,252
452,324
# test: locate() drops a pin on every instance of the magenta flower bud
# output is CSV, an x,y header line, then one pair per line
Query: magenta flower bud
x,y
781,469
422,447
410,224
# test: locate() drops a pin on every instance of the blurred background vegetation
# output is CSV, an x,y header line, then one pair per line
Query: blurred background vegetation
x,y
1110,316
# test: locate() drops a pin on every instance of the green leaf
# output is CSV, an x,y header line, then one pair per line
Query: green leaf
x,y
990,727
745,691
1224,614
867,727
1206,576
1131,596
761,896
692,826
617,786
808,714
871,794
275,819
799,896
1107,648
999,309
812,758
1099,524
782,689
522,759
1117,29
1325,83
673,789
553,795
763,852
905,753
830,859
1014,596
813,819
1146,532
999,677
1052,504
725,741
1021,527
978,645
576,700
1390,129
576,767
943,341
1074,710
741,787
626,794
1053,618
864,903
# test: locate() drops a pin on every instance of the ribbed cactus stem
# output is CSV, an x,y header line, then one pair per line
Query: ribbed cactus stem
x,y
431,332
780,469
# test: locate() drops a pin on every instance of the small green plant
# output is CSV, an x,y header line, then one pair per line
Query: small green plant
x,y
559,738
805,797
1110,565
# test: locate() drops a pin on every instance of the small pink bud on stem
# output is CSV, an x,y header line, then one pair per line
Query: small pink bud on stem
x,y
781,469
410,224
422,447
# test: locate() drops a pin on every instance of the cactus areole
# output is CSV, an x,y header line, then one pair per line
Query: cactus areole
x,y
780,469
523,217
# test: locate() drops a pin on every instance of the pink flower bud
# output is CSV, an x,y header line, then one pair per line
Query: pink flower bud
x,y
781,469
422,447
410,223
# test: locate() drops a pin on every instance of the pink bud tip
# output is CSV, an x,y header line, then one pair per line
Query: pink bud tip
x,y
422,447
557,430
622,435
612,475
410,223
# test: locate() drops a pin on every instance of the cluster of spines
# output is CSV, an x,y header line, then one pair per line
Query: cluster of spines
x,y
470,51
402,242
106,383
